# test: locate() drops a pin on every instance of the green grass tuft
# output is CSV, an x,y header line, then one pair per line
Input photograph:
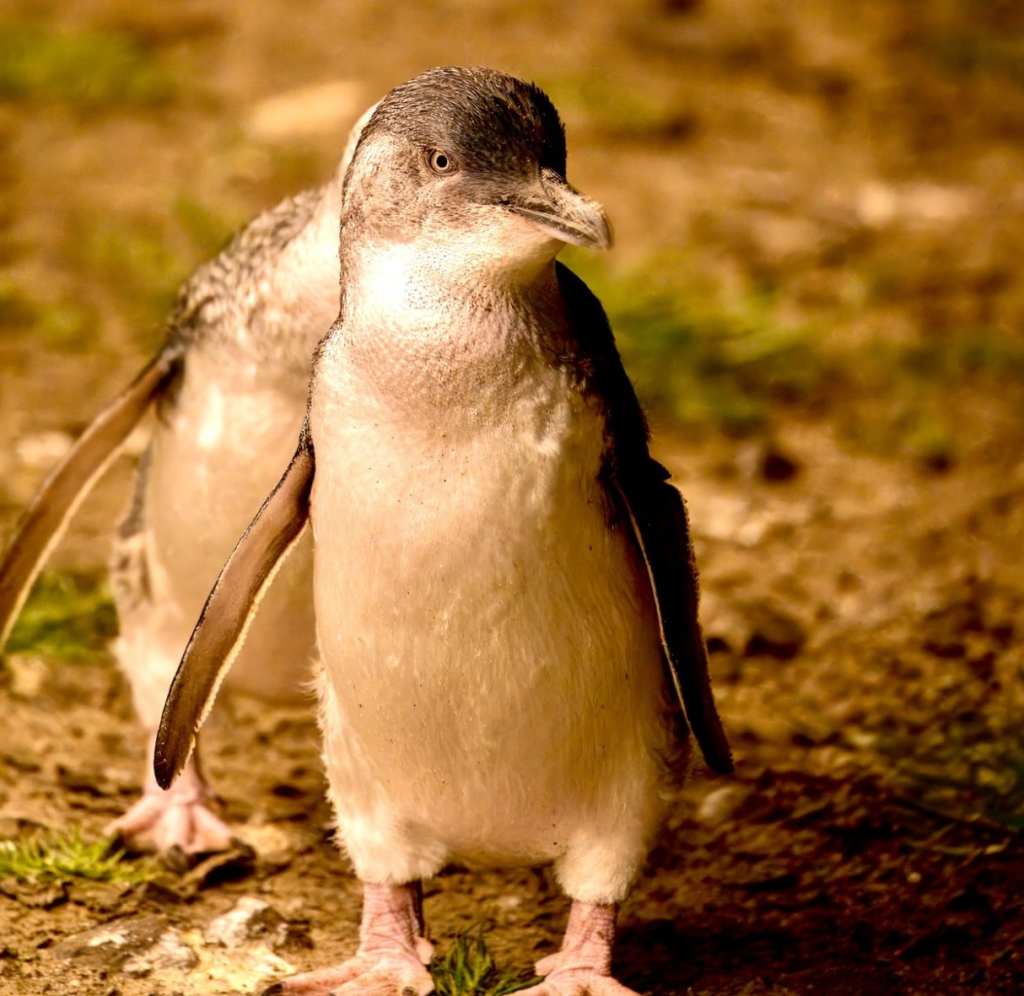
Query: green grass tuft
x,y
85,70
467,969
67,616
59,857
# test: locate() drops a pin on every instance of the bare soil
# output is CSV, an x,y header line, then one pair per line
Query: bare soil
x,y
862,593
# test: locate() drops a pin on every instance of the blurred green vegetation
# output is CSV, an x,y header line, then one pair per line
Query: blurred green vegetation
x,y
58,857
974,51
132,264
68,326
703,360
134,259
208,231
139,262
697,360
64,325
619,108
68,616
85,70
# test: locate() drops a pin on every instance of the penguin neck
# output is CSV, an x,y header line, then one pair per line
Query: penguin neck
x,y
423,283
416,331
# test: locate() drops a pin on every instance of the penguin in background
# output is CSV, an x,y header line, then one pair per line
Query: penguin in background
x,y
504,585
229,386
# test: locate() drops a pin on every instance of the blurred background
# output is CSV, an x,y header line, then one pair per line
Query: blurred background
x,y
816,286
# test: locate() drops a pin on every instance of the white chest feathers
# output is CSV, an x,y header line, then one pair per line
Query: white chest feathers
x,y
492,663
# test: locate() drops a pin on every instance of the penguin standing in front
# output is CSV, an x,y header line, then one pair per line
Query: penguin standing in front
x,y
230,386
505,594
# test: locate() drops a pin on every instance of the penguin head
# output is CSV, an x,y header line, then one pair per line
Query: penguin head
x,y
469,163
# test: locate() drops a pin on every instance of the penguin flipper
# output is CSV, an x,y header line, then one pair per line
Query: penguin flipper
x,y
229,610
637,485
659,521
64,490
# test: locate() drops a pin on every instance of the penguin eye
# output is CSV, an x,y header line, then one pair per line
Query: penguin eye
x,y
440,162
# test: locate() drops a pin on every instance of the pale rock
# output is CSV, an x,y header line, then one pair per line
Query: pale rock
x,y
42,450
170,953
321,109
250,919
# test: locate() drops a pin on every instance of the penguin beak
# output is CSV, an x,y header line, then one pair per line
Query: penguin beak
x,y
561,212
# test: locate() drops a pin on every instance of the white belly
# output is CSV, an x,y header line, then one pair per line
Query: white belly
x,y
493,677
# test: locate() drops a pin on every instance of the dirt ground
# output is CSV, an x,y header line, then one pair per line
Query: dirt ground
x,y
845,171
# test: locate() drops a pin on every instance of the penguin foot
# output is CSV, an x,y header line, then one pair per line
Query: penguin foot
x,y
359,976
177,822
392,956
578,983
583,965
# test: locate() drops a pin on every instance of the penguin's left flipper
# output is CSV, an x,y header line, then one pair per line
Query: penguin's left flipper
x,y
658,517
229,610
63,491
638,486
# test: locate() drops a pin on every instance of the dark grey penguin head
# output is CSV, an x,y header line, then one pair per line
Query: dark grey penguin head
x,y
471,162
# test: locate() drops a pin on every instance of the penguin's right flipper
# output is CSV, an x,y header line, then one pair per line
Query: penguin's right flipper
x,y
229,610
66,487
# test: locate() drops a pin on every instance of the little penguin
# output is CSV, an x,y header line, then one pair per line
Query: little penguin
x,y
230,385
504,585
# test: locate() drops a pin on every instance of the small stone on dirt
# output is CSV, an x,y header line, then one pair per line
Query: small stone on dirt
x,y
720,804
169,953
250,919
42,450
28,673
112,944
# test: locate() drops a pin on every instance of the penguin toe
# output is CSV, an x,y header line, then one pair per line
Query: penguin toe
x,y
359,976
577,982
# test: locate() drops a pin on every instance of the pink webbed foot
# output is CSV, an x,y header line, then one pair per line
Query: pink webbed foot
x,y
176,821
584,963
392,952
